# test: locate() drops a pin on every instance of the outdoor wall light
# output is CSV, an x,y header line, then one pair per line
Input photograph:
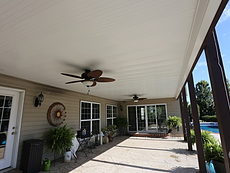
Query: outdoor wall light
x,y
39,99
121,108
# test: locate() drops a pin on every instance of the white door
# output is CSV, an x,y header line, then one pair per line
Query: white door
x,y
9,101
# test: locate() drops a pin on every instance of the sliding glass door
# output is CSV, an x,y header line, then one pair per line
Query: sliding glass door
x,y
132,118
161,118
141,119
151,118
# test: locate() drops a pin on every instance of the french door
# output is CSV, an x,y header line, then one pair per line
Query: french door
x,y
151,118
9,101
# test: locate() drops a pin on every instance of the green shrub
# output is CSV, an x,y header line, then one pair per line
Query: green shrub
x,y
213,151
121,122
212,148
205,135
193,139
209,118
173,121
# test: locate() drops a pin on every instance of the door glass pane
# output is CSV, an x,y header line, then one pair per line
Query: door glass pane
x,y
4,126
141,118
132,118
151,113
161,118
6,113
5,108
2,145
8,101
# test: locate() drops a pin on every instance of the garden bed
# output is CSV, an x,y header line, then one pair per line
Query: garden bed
x,y
150,135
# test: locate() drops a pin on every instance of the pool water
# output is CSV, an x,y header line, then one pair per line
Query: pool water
x,y
213,129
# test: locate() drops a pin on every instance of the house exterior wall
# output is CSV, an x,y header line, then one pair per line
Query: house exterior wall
x,y
172,104
34,119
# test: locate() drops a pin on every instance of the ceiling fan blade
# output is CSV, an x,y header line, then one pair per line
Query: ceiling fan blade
x,y
94,84
142,98
95,74
71,75
105,79
74,81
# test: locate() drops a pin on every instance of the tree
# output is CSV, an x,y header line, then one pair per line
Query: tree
x,y
190,111
204,98
228,84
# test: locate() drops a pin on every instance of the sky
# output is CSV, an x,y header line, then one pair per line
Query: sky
x,y
200,72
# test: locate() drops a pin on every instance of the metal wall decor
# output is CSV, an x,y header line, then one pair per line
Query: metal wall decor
x,y
56,114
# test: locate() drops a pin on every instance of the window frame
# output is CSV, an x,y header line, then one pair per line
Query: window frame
x,y
91,115
145,105
112,113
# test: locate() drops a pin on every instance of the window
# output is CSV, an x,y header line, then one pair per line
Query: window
x,y
90,117
111,114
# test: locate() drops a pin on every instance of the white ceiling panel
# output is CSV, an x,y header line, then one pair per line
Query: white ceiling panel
x,y
148,46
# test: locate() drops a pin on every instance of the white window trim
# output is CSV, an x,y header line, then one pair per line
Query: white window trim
x,y
91,114
110,118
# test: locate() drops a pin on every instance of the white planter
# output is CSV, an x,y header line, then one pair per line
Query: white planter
x,y
67,156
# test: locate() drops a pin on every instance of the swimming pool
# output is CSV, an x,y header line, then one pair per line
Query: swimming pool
x,y
213,129
209,126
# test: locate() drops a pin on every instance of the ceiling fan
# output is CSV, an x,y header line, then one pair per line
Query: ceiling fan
x,y
89,78
136,98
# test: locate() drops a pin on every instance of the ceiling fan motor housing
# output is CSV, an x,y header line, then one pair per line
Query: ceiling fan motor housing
x,y
85,75
135,97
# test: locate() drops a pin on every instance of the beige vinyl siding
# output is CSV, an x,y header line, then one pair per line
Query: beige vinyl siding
x,y
34,119
173,106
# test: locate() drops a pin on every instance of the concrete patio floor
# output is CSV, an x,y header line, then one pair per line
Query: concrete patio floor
x,y
134,154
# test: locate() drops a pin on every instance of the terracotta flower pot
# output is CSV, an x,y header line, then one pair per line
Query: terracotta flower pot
x,y
110,138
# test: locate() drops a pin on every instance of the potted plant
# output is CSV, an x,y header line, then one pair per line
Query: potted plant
x,y
213,152
173,122
121,123
59,139
112,131
205,135
105,132
109,131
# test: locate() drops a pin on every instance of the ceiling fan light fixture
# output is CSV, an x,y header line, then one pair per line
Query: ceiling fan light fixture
x,y
88,83
135,101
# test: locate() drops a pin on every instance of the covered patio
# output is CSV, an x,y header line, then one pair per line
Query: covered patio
x,y
93,60
134,154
